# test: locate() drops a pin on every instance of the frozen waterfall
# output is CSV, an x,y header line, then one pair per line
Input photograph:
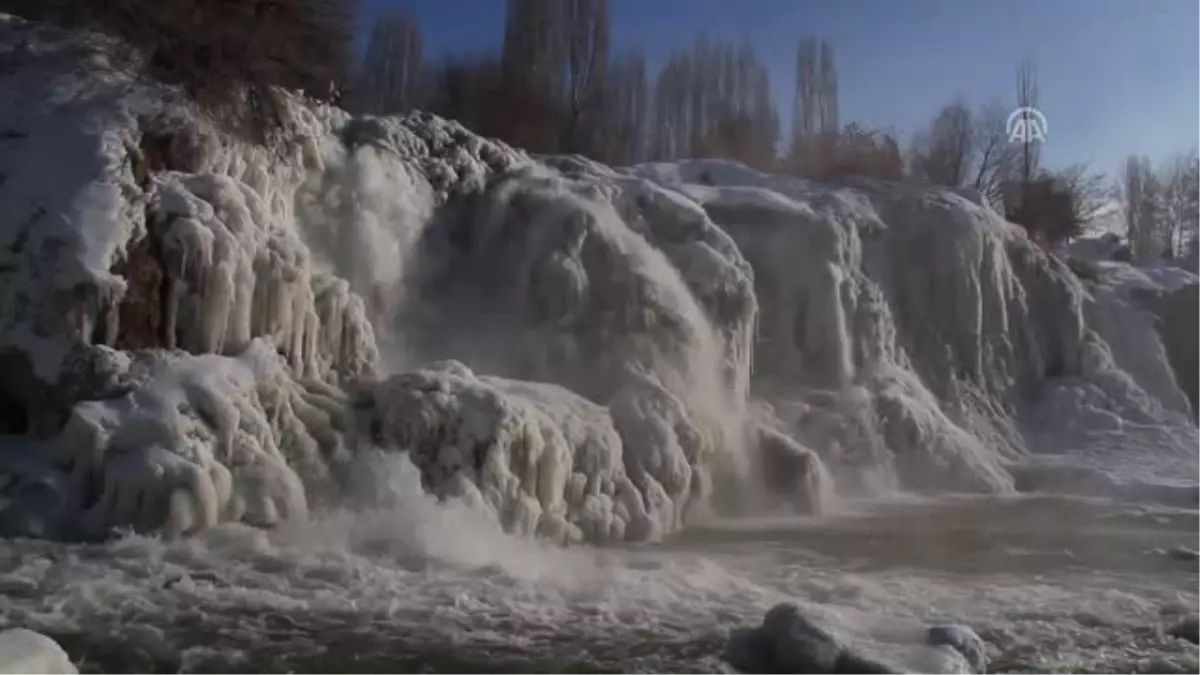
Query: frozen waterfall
x,y
199,330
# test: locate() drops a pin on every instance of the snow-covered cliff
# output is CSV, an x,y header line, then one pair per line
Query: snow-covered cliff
x,y
197,329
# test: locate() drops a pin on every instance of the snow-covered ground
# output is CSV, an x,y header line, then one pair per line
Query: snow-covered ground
x,y
424,361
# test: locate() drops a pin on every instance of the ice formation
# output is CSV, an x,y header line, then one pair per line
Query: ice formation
x,y
24,651
917,340
199,329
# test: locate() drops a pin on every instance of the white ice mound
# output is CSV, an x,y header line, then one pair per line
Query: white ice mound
x,y
614,289
911,335
884,314
24,651
618,291
539,458
198,440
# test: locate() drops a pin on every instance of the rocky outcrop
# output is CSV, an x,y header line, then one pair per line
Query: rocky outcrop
x,y
790,641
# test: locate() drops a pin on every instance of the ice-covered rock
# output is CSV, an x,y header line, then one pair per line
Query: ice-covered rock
x,y
791,472
791,641
915,339
612,288
201,439
962,640
24,651
541,459
885,315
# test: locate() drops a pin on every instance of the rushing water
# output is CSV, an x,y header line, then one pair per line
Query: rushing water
x,y
1051,583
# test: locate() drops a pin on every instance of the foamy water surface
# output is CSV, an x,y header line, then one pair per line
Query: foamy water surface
x,y
398,583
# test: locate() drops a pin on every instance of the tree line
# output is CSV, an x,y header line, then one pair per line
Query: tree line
x,y
557,86
1162,205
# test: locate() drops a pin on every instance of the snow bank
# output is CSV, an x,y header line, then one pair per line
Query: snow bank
x,y
197,329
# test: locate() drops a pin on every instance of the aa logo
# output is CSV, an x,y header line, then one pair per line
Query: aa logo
x,y
1026,125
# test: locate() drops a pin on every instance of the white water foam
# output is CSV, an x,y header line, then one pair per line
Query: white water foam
x,y
398,579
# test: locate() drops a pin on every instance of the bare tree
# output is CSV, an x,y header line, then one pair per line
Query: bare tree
x,y
1151,226
1133,177
714,100
533,66
587,38
815,113
391,68
829,92
1027,99
670,129
1145,193
469,88
626,108
534,50
944,154
1181,193
1092,189
996,155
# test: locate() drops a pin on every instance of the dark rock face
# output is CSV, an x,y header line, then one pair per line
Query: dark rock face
x,y
14,419
32,406
26,402
143,317
141,320
1187,629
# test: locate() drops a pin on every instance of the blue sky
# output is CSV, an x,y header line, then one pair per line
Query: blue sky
x,y
1116,76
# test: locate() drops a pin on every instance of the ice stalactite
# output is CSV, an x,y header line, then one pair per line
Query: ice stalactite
x,y
240,273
